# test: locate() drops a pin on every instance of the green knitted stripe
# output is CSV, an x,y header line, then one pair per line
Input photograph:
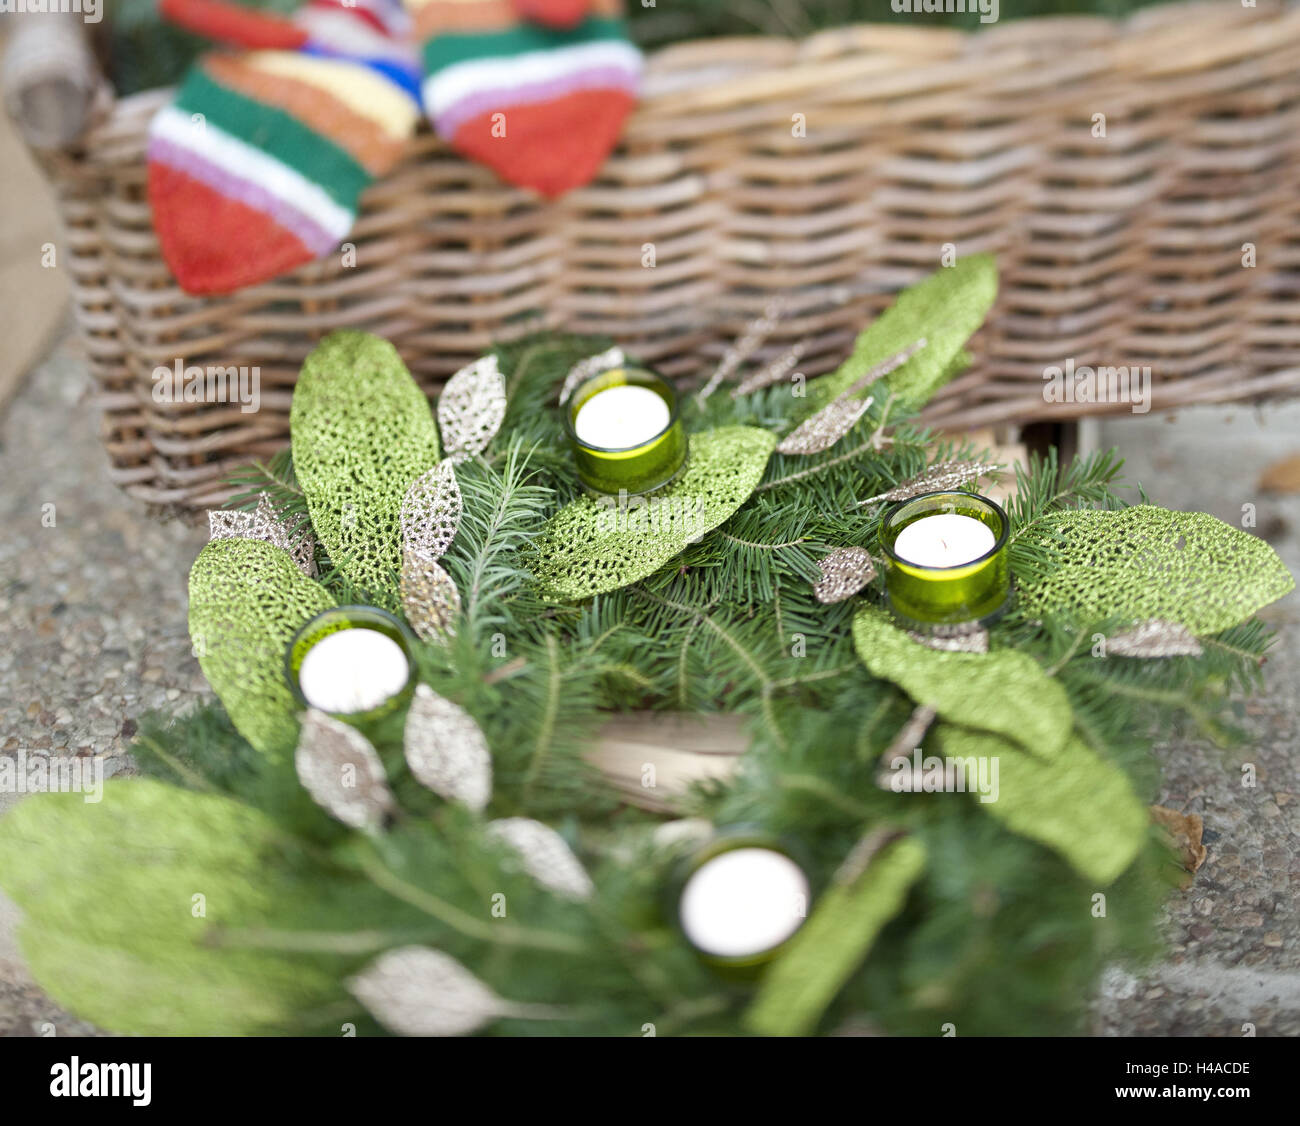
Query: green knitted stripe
x,y
446,50
277,134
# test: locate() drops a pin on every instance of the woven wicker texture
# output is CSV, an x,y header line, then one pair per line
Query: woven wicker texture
x,y
1119,250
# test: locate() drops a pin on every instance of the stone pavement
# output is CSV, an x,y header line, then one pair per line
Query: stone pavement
x,y
93,635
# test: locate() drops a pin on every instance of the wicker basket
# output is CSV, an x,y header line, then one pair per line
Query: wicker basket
x,y
1122,249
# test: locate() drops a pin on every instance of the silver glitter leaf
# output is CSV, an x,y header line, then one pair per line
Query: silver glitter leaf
x,y
909,735
941,475
471,409
826,427
845,571
774,372
1154,638
961,638
265,524
545,854
446,750
416,991
430,599
339,768
583,370
841,414
431,512
750,341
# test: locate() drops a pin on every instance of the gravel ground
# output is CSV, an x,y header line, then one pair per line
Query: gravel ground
x,y
1235,933
94,613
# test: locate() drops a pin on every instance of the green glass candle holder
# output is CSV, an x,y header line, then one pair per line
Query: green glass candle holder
x,y
637,469
737,967
341,618
923,597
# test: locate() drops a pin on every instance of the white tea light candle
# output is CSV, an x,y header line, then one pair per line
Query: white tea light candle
x,y
743,902
621,417
946,539
352,670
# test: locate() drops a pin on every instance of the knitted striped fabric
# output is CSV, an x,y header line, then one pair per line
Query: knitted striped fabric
x,y
541,105
256,167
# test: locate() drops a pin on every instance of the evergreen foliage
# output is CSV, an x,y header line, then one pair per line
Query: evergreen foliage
x,y
990,924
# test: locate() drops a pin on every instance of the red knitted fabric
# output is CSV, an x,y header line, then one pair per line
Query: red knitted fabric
x,y
216,244
225,22
553,13
553,147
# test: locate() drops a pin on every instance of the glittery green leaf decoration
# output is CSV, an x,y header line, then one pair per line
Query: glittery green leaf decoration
x,y
247,600
362,432
946,309
1004,691
1077,803
595,545
123,936
1145,562
826,951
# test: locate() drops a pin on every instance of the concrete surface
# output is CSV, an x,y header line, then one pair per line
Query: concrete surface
x,y
93,613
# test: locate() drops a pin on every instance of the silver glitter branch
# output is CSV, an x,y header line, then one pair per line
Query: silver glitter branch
x,y
431,512
1154,638
775,372
418,991
750,342
942,475
471,409
967,637
845,571
446,750
265,524
546,856
341,771
826,427
584,370
429,597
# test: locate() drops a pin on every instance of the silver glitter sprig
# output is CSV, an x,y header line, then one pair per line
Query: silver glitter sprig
x,y
430,599
546,856
961,638
471,409
446,750
431,512
942,475
584,370
418,991
820,432
826,427
1154,638
751,340
845,571
909,735
774,372
265,524
341,771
